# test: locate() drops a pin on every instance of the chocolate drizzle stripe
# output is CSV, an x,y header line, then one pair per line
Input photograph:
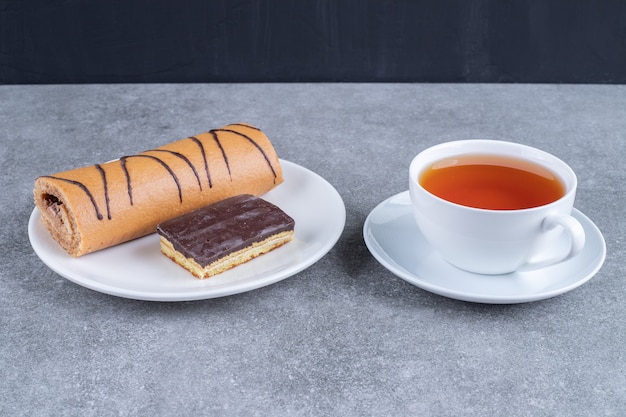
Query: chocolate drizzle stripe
x,y
219,145
123,160
129,187
184,158
206,164
82,187
249,139
106,189
245,125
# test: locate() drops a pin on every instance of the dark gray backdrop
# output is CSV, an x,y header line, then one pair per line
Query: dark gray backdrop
x,y
101,41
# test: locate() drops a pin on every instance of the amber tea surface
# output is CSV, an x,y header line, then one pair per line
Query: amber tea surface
x,y
492,182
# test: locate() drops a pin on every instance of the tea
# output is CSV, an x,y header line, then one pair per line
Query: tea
x,y
492,182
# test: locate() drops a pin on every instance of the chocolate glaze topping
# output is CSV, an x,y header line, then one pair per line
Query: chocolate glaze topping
x,y
222,228
124,164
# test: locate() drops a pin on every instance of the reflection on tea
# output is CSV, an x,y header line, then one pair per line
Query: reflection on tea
x,y
492,182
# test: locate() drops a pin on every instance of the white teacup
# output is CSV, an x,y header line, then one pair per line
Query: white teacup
x,y
488,241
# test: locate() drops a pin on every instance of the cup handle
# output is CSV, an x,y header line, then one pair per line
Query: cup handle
x,y
577,240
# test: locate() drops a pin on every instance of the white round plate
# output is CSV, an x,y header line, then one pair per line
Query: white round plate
x,y
138,270
393,238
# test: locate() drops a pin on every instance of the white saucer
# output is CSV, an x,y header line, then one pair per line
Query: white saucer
x,y
394,239
138,270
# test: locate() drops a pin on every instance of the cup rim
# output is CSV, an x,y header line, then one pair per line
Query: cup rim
x,y
415,172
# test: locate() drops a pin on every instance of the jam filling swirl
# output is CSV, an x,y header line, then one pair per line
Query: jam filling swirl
x,y
82,187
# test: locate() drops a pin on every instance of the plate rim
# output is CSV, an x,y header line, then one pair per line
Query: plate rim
x,y
210,292
419,282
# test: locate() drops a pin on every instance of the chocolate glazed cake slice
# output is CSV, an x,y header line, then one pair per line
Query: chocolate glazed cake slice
x,y
218,237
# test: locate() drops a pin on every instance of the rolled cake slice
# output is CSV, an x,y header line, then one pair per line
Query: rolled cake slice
x,y
213,239
94,207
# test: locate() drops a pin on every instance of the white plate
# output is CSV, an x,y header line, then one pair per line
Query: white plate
x,y
138,270
393,238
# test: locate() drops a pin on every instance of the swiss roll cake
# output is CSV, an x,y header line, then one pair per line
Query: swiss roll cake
x,y
94,207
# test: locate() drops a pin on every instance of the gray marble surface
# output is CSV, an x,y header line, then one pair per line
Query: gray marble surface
x,y
344,337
